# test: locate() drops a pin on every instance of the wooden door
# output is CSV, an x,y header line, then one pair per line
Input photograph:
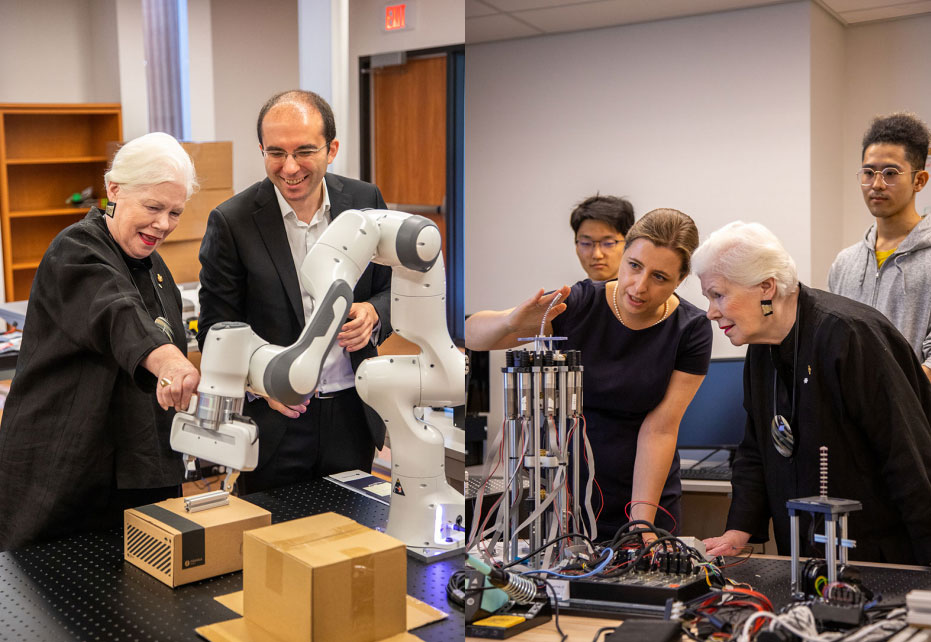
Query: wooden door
x,y
409,146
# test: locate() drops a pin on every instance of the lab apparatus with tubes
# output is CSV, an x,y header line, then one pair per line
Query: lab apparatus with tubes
x,y
539,452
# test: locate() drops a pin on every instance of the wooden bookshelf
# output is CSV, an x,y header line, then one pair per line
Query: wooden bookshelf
x,y
47,153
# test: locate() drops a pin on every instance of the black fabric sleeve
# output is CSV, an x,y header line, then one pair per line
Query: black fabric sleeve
x,y
694,352
222,277
87,280
580,297
749,509
886,397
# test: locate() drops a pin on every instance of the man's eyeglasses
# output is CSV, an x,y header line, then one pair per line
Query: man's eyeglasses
x,y
302,154
606,245
890,176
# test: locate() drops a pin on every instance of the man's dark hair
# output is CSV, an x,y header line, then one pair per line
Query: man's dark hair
x,y
308,98
900,128
614,211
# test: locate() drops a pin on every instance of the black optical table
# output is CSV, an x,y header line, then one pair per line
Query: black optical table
x,y
772,576
79,588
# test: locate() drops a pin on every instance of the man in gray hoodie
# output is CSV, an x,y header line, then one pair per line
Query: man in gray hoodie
x,y
890,269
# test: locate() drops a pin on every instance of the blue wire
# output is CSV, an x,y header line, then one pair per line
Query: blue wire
x,y
600,568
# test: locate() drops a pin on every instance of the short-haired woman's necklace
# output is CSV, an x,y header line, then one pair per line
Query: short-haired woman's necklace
x,y
617,311
780,429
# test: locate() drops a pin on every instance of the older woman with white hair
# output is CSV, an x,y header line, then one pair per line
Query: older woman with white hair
x,y
85,429
821,370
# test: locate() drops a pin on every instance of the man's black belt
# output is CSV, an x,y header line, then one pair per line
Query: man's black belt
x,y
333,394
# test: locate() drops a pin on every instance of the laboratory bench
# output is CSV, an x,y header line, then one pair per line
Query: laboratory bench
x,y
79,588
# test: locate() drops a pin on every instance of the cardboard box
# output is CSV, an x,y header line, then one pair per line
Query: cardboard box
x,y
213,162
178,547
193,222
324,578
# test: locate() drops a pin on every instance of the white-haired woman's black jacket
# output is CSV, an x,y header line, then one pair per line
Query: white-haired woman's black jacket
x,y
861,392
81,420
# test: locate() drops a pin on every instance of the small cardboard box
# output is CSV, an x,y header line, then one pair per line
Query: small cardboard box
x,y
324,578
178,547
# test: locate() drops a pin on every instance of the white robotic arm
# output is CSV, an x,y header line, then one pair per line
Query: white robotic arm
x,y
235,359
425,510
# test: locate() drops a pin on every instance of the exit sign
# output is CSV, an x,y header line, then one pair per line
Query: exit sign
x,y
394,17
399,16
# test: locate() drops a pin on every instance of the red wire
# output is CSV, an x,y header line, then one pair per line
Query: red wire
x,y
478,506
633,503
765,600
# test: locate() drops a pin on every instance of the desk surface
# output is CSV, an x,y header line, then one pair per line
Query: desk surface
x,y
79,588
768,574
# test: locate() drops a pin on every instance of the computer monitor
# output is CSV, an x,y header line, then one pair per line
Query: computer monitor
x,y
716,416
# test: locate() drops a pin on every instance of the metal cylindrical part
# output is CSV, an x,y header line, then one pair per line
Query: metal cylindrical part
x,y
549,391
510,393
208,409
524,394
214,409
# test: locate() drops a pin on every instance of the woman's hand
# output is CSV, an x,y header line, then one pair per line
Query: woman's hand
x,y
525,319
730,543
177,377
501,329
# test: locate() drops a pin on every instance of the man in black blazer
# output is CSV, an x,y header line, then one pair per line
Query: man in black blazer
x,y
252,249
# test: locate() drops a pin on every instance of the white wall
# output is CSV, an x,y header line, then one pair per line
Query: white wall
x,y
132,77
827,143
57,51
709,115
255,55
200,70
439,23
886,71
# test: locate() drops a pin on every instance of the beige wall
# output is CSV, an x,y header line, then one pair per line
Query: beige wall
x,y
827,141
255,55
200,70
886,71
58,51
709,115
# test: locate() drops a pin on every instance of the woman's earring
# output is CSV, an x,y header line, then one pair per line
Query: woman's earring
x,y
111,208
767,306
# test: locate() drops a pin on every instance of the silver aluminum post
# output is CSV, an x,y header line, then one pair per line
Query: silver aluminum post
x,y
507,443
525,401
793,538
842,550
576,437
561,424
536,479
830,547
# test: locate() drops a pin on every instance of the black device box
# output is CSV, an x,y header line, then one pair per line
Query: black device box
x,y
648,589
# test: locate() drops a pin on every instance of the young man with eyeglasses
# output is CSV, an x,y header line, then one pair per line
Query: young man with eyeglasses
x,y
600,224
890,269
251,252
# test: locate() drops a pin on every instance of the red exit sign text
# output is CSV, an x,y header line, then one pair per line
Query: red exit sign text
x,y
395,18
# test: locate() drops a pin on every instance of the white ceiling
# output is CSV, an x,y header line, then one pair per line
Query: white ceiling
x,y
488,20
